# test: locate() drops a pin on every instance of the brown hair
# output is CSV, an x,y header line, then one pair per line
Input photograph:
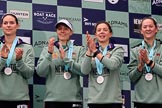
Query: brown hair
x,y
16,19
151,18
104,23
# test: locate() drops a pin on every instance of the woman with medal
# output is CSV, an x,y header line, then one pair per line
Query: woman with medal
x,y
145,67
60,64
102,63
16,65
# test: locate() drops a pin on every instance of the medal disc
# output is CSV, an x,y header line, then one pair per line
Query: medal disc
x,y
148,76
67,75
8,71
100,79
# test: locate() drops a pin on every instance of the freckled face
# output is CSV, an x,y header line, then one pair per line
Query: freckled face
x,y
63,32
148,29
9,25
103,33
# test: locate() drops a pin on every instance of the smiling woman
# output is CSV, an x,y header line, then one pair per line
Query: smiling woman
x,y
145,69
60,64
102,63
16,66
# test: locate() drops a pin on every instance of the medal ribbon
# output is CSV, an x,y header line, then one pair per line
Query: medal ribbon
x,y
1,45
99,65
1,48
150,55
8,61
70,52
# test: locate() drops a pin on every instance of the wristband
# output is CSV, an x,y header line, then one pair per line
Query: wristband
x,y
96,53
101,58
88,55
150,63
49,52
4,57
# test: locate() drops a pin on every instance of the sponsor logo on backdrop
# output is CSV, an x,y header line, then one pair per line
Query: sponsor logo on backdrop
x,y
118,24
157,2
40,44
157,7
20,13
2,12
134,24
137,23
87,22
125,47
100,1
44,17
2,8
70,19
22,106
38,98
160,26
113,1
90,20
117,5
141,0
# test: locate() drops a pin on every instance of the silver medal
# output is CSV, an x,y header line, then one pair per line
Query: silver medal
x,y
8,71
100,79
67,75
149,76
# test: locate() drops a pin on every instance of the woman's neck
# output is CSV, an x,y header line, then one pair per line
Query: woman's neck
x,y
63,42
9,39
104,44
150,42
